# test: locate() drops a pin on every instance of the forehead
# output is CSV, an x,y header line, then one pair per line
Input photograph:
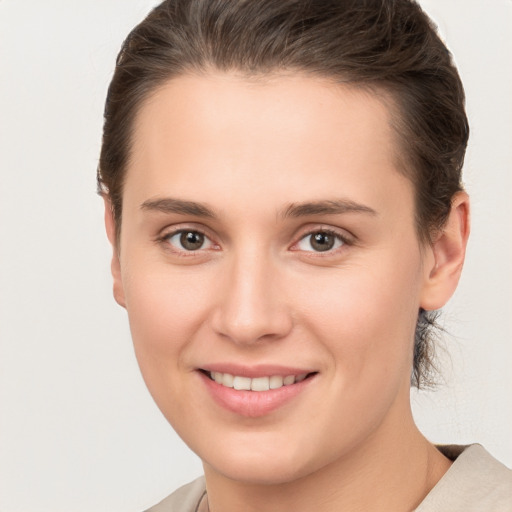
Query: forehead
x,y
301,134
280,104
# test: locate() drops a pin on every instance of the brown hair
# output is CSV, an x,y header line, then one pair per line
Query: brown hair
x,y
384,45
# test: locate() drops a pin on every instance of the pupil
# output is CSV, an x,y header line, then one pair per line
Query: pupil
x,y
191,240
322,241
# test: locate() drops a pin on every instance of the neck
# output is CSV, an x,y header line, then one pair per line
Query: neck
x,y
392,472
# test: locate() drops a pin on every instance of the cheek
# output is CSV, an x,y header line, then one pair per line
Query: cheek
x,y
162,303
367,316
165,309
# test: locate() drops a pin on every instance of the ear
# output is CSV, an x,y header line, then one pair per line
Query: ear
x,y
115,266
443,265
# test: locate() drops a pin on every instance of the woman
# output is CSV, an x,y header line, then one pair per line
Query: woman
x,y
283,196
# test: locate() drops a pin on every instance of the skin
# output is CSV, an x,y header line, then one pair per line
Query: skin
x,y
258,293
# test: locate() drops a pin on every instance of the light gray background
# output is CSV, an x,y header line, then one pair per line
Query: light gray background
x,y
78,430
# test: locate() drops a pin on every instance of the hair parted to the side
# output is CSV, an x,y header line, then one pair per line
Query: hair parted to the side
x,y
388,46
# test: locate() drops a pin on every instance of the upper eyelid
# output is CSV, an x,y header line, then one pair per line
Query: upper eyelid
x,y
344,234
180,228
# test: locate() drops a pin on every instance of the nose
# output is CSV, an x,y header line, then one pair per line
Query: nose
x,y
251,305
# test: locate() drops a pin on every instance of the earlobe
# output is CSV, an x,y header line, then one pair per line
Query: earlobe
x,y
447,256
110,227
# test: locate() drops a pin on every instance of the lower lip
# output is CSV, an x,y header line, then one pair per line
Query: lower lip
x,y
253,404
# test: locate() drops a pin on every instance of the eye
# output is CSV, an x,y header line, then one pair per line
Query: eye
x,y
320,241
189,240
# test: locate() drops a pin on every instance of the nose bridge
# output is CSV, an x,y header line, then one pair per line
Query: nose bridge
x,y
251,305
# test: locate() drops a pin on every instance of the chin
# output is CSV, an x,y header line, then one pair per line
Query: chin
x,y
261,466
262,474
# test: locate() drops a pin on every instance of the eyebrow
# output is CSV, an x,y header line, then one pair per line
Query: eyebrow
x,y
294,210
172,205
331,207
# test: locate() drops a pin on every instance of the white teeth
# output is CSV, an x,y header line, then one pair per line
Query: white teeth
x,y
227,380
242,383
276,381
289,379
258,383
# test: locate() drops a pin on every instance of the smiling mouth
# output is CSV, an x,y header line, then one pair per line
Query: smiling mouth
x,y
241,383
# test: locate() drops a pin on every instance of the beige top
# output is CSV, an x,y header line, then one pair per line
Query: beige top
x,y
475,482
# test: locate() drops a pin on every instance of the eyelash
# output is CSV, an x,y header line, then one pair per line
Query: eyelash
x,y
165,238
338,237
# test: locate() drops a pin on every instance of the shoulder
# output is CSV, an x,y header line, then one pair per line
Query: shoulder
x,y
184,499
476,481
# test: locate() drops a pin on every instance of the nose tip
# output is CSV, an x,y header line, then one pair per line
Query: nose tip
x,y
244,329
252,307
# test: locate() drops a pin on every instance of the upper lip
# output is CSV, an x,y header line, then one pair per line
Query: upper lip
x,y
254,371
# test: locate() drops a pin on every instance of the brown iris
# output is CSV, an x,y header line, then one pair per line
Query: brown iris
x,y
191,240
322,241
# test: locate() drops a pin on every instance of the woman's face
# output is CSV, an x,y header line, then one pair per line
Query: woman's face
x,y
267,235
